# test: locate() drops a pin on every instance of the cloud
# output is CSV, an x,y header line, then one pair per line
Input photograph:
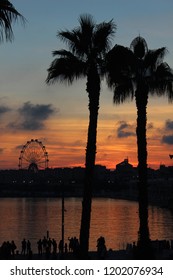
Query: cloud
x,y
169,125
78,143
4,109
32,117
150,126
124,130
1,150
19,147
167,139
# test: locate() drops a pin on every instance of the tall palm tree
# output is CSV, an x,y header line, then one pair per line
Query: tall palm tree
x,y
88,45
136,72
8,15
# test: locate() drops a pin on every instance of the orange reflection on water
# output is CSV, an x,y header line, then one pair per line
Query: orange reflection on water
x,y
116,220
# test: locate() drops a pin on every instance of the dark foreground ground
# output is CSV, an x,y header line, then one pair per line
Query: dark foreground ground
x,y
110,255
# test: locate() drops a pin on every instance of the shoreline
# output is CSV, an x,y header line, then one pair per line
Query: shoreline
x,y
164,254
152,202
159,192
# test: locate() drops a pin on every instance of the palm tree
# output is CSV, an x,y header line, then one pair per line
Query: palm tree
x,y
136,72
88,45
8,14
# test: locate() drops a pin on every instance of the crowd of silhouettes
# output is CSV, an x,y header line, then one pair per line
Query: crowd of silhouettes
x,y
48,248
45,246
7,250
74,245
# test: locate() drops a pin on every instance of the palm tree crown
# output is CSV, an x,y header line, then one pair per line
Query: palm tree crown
x,y
8,14
87,44
132,67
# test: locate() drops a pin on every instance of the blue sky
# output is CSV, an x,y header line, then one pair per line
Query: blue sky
x,y
25,60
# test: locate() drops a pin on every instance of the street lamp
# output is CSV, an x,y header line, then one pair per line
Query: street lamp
x,y
62,221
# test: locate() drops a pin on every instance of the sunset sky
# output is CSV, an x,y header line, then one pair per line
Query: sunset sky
x,y
57,114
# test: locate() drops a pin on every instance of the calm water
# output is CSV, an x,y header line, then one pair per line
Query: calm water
x,y
116,220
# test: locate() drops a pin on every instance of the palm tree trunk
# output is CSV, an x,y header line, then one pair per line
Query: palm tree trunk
x,y
144,246
93,89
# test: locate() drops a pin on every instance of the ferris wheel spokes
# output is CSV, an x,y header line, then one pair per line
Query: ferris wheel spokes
x,y
33,156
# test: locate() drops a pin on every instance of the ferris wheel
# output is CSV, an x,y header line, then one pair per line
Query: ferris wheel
x,y
33,156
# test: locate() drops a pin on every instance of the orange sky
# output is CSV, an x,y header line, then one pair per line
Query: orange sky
x,y
64,135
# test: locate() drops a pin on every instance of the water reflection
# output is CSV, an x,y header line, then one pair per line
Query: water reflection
x,y
161,223
116,220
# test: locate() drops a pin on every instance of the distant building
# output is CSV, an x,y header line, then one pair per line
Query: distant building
x,y
124,165
125,170
100,173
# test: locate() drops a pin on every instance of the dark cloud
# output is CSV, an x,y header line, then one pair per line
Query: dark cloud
x,y
124,130
3,109
167,139
32,117
169,125
19,147
1,150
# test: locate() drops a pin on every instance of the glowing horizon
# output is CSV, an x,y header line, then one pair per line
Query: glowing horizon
x,y
65,139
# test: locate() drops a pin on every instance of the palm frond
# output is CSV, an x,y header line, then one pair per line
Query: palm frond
x,y
70,38
154,57
62,53
87,24
123,92
79,40
162,81
8,15
65,68
164,71
119,64
103,35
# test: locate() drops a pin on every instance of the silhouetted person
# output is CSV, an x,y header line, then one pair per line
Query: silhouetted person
x,y
54,244
49,244
13,248
101,247
39,246
75,246
23,247
71,243
28,245
60,247
6,250
44,242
